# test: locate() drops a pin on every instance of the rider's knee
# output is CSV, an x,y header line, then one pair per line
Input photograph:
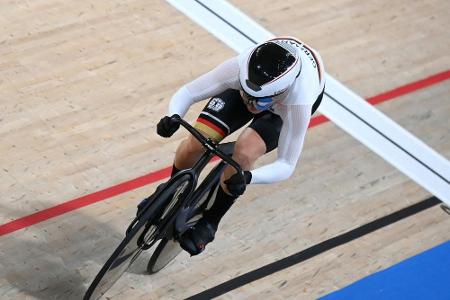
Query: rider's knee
x,y
192,146
249,147
245,154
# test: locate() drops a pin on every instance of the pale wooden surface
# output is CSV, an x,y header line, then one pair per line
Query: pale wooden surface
x,y
83,84
371,46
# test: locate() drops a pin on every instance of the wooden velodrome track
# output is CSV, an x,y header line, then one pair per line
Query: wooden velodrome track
x,y
83,84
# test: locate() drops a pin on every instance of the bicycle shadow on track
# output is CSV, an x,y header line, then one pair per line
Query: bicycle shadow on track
x,y
55,259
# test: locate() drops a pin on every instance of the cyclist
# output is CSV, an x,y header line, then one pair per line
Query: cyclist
x,y
277,85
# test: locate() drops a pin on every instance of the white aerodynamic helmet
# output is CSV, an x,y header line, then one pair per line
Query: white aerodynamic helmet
x,y
270,68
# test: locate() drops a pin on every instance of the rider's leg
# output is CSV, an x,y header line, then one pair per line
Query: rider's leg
x,y
249,147
188,153
261,137
223,114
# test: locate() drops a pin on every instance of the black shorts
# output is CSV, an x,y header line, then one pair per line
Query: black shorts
x,y
226,113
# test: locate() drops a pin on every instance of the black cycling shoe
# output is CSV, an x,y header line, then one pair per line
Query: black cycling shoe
x,y
195,239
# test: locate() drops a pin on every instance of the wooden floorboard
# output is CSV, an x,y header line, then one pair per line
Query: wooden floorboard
x,y
83,84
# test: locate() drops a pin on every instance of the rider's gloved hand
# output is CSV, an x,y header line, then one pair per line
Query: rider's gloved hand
x,y
167,126
236,186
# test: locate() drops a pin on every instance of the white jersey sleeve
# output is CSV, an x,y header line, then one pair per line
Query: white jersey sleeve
x,y
207,85
295,111
295,123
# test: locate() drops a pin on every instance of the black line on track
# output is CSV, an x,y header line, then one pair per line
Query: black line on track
x,y
315,250
388,138
226,21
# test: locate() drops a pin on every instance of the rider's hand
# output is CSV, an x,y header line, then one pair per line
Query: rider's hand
x,y
167,126
235,185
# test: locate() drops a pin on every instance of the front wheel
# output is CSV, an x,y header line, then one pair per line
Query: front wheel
x,y
142,233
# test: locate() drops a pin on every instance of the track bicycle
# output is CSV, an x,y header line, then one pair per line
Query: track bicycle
x,y
162,218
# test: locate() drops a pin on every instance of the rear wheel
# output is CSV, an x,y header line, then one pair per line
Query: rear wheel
x,y
165,252
142,234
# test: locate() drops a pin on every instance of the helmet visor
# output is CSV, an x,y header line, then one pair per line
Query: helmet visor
x,y
260,103
268,62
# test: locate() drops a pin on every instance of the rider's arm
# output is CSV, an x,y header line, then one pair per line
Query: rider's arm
x,y
295,123
208,85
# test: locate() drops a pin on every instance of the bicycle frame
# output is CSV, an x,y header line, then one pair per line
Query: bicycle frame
x,y
180,220
150,219
210,146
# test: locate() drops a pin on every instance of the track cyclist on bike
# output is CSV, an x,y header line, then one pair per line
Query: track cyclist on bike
x,y
277,85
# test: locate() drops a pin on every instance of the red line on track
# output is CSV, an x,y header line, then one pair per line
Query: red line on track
x,y
121,188
83,201
411,87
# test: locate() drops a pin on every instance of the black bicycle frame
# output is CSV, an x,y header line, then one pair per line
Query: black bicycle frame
x,y
210,146
186,211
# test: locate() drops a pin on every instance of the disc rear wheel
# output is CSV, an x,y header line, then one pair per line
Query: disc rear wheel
x,y
168,248
165,252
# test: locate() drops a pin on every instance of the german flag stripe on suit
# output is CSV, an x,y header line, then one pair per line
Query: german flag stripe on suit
x,y
212,128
